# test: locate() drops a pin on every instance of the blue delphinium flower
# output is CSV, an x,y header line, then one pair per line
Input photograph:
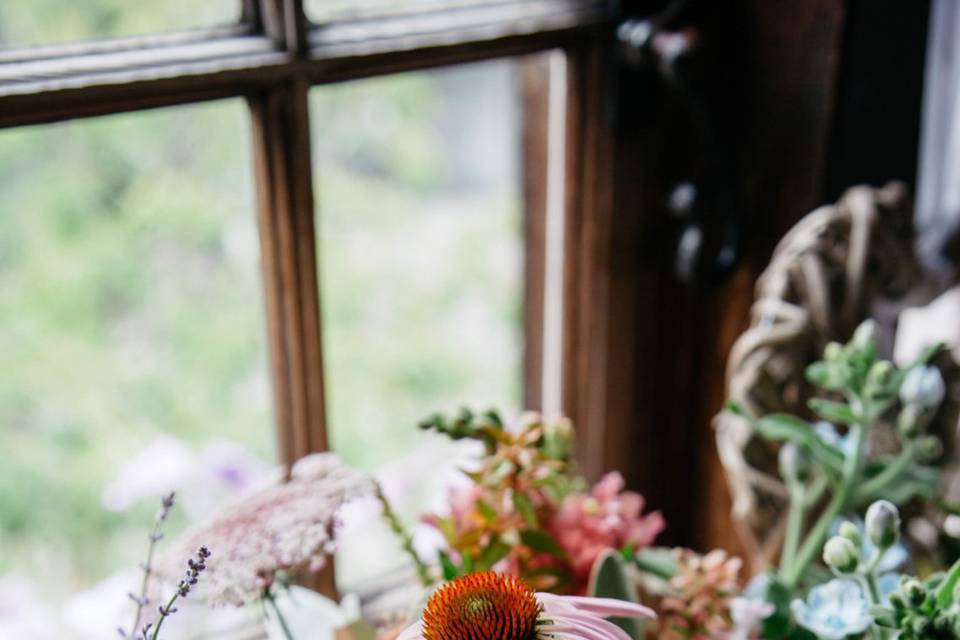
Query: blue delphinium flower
x,y
834,610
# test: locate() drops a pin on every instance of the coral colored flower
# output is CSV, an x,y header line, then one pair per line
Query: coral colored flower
x,y
703,590
607,518
492,606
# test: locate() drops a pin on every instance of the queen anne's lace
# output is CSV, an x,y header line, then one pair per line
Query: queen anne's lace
x,y
283,526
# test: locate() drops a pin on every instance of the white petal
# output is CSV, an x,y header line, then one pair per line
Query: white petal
x,y
580,632
413,632
585,620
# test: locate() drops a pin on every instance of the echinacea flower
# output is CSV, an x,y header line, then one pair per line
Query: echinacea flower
x,y
285,526
492,606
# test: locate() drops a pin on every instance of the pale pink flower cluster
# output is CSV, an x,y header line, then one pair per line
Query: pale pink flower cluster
x,y
606,518
283,526
704,590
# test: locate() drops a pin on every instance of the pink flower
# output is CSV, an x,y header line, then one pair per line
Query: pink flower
x,y
607,518
492,605
283,526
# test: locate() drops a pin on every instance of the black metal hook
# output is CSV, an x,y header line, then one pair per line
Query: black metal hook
x,y
705,202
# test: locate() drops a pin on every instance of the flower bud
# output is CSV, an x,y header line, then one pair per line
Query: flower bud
x,y
879,379
923,387
865,337
913,592
929,448
851,532
911,421
883,524
833,351
794,463
841,555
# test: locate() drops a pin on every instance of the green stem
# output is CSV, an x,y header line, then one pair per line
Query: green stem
x,y
268,597
893,471
852,469
406,540
164,616
791,540
869,578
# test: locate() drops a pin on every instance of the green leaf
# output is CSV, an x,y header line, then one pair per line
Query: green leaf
x,y
736,408
486,511
829,375
783,426
772,590
608,579
542,542
946,588
659,561
450,570
917,480
832,411
496,551
883,616
525,508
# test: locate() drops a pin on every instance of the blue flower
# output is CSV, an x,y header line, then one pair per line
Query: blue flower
x,y
828,434
834,610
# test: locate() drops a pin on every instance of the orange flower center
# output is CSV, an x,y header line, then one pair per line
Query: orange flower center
x,y
482,606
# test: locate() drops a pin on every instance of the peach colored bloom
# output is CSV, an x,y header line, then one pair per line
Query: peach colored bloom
x,y
606,518
703,590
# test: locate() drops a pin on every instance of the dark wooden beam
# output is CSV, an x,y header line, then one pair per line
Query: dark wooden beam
x,y
130,74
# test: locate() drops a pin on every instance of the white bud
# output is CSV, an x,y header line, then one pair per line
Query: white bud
x,y
923,387
865,337
841,555
883,524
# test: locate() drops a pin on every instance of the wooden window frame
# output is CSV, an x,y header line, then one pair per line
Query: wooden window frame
x,y
636,345
271,59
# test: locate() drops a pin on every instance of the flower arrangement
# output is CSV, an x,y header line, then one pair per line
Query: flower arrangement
x,y
532,551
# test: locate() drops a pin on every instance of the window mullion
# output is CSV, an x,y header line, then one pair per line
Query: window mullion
x,y
282,151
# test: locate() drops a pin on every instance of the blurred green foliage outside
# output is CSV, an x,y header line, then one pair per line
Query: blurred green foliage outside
x,y
130,291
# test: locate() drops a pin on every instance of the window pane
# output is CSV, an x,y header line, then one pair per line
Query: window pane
x,y
133,344
40,22
320,10
420,249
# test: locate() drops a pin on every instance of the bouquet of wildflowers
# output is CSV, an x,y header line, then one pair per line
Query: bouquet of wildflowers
x,y
526,511
532,551
832,478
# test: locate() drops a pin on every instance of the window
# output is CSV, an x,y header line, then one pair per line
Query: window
x,y
216,306
52,22
420,243
133,328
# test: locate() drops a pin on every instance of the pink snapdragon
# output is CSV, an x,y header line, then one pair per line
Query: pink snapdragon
x,y
606,518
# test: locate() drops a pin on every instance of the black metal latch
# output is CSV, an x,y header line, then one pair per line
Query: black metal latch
x,y
705,200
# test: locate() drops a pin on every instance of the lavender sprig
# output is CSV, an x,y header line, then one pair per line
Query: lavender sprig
x,y
194,568
141,600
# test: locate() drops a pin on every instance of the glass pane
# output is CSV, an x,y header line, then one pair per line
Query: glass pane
x,y
420,247
41,22
134,350
320,10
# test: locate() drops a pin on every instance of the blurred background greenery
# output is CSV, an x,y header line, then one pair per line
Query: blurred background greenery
x,y
132,313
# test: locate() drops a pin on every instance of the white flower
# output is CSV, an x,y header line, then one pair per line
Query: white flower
x,y
923,387
307,614
747,614
283,526
485,604
834,610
